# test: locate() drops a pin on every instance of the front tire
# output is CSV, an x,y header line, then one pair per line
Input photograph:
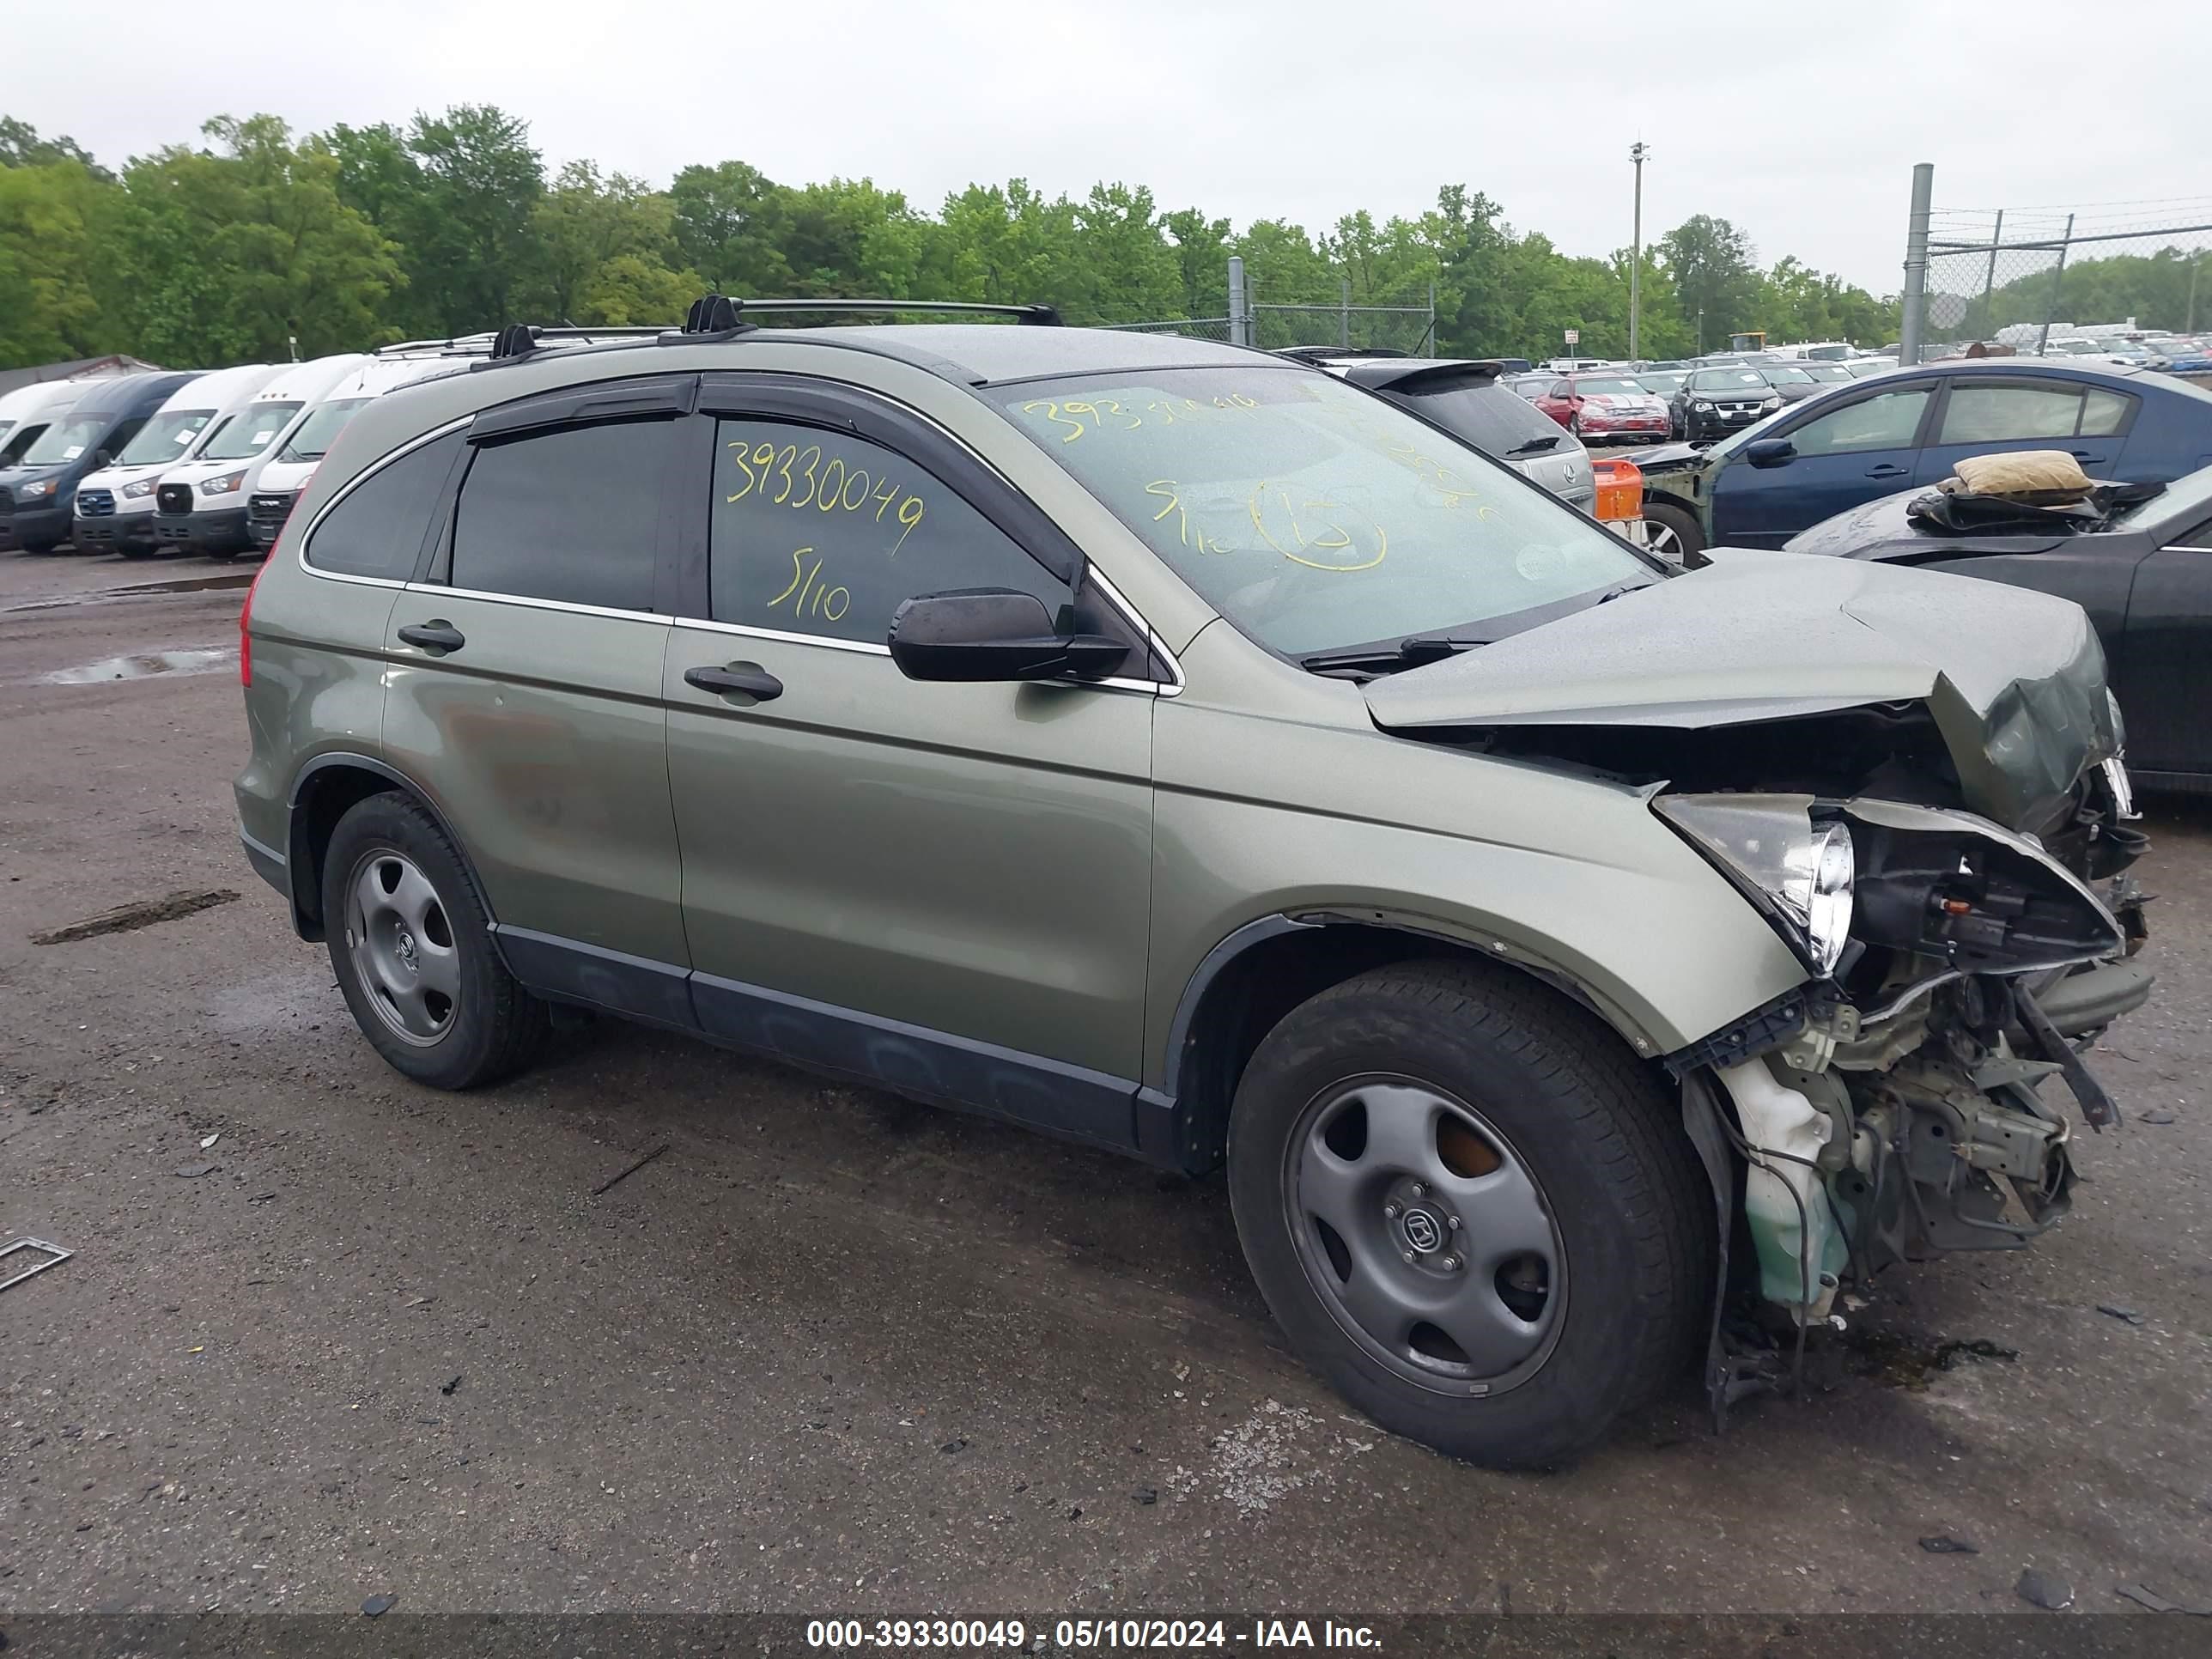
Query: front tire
x,y
411,944
1471,1210
1672,533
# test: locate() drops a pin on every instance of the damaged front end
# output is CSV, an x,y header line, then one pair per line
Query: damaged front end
x,y
1891,1108
1918,782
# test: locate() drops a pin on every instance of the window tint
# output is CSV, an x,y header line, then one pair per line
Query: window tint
x,y
570,514
2008,414
1486,415
1886,421
377,529
818,532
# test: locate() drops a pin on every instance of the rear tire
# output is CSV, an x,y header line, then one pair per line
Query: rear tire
x,y
411,944
1561,1333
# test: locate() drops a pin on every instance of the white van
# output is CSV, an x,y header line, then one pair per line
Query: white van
x,y
27,411
287,472
202,503
115,506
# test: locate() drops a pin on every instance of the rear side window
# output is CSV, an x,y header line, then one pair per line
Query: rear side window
x,y
819,532
377,528
571,515
2020,411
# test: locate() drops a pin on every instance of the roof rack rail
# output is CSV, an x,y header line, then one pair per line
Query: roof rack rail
x,y
1047,316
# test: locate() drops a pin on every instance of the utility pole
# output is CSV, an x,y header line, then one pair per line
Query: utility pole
x,y
1913,315
1637,152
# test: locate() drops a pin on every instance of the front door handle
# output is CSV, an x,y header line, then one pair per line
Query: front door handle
x,y
1886,470
439,636
742,678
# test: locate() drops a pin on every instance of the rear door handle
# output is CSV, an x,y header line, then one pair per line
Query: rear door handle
x,y
1886,470
435,636
743,678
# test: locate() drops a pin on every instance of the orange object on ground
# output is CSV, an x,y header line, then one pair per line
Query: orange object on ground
x,y
1619,489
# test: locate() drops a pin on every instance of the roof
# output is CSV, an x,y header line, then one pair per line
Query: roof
x,y
12,380
983,353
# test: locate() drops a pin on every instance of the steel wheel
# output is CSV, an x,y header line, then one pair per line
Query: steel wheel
x,y
401,942
1427,1237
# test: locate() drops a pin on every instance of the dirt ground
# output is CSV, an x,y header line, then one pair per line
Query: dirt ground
x,y
832,1353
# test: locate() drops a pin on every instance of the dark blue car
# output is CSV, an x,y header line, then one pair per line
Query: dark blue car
x,y
1909,428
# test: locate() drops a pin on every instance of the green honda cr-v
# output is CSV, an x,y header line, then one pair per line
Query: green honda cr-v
x,y
1175,748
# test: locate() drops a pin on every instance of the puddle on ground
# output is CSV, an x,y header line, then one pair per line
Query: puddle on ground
x,y
177,585
142,665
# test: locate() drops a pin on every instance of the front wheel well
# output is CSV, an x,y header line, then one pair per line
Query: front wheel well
x,y
1251,992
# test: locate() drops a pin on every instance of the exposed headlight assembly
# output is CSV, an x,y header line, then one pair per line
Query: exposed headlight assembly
x,y
1799,873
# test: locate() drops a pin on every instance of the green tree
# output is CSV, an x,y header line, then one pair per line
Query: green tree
x,y
51,216
469,233
729,225
584,224
1708,262
20,146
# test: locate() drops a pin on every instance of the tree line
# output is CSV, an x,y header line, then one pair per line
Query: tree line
x,y
257,242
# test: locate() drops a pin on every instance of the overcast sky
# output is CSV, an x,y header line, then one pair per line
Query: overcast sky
x,y
1798,119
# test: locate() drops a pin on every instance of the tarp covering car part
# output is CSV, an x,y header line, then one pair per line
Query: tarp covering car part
x,y
1759,636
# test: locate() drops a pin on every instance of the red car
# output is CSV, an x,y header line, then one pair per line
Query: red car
x,y
1600,407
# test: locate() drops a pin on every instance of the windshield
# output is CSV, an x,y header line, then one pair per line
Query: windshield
x,y
1311,515
67,439
316,433
1590,383
1826,371
1485,414
166,437
1727,379
249,432
1831,353
1782,374
1660,385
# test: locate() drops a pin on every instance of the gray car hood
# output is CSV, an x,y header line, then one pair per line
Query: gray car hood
x,y
2015,680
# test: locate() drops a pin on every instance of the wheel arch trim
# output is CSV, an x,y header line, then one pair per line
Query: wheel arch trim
x,y
301,866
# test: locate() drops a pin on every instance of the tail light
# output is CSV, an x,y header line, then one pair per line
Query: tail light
x,y
245,629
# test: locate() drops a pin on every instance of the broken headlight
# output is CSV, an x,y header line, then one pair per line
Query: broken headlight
x,y
1799,872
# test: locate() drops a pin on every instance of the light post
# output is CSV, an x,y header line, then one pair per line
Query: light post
x,y
1637,152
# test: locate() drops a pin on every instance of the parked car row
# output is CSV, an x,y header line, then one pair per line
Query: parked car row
x,y
178,461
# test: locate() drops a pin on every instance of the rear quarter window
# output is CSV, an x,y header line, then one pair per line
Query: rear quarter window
x,y
377,528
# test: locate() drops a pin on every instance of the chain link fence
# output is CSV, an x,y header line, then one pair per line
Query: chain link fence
x,y
1406,322
2124,278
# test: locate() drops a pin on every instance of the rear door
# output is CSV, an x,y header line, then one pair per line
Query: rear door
x,y
1840,455
524,687
1988,415
943,886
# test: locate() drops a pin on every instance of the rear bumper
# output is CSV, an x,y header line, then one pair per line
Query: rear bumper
x,y
223,532
35,526
268,863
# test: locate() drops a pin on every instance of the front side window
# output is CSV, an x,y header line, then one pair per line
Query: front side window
x,y
165,438
377,527
249,432
1887,420
570,514
1312,515
822,533
1980,414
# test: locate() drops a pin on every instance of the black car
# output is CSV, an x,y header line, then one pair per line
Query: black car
x,y
2138,559
1714,402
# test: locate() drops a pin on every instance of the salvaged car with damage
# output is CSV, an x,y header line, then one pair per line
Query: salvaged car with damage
x,y
1575,963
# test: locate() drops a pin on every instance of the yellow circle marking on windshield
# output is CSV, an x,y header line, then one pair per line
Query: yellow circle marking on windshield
x,y
1337,539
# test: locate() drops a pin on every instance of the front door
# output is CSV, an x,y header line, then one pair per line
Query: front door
x,y
2162,674
524,692
1838,458
1987,415
942,887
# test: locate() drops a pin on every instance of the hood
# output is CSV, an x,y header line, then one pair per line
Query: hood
x,y
2014,680
1662,458
1861,532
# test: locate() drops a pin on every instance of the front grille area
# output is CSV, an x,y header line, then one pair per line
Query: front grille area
x,y
268,509
7,501
173,498
94,503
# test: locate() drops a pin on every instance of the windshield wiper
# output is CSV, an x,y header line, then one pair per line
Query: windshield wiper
x,y
1408,653
1549,441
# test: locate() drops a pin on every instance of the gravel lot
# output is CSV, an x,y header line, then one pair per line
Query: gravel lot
x,y
833,1353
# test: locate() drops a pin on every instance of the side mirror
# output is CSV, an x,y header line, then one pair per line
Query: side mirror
x,y
102,461
993,633
1770,452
